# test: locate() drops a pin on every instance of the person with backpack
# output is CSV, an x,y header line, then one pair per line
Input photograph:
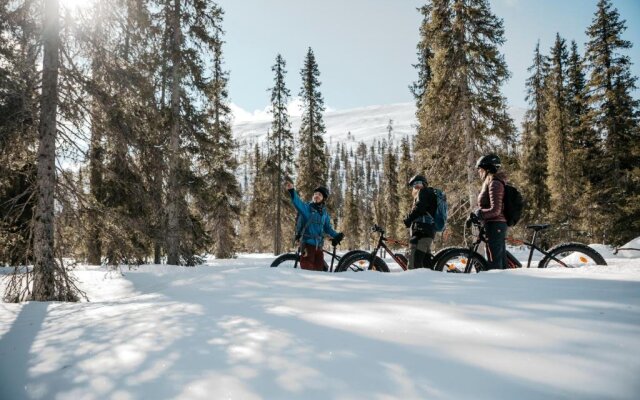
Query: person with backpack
x,y
491,208
313,224
420,221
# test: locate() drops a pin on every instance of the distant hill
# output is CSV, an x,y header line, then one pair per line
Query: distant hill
x,y
365,124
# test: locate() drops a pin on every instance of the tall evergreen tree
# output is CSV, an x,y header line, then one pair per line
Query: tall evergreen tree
x,y
615,118
50,281
281,145
558,146
201,185
533,166
406,170
585,145
425,54
391,198
311,158
462,109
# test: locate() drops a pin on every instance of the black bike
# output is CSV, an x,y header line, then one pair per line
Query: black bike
x,y
568,255
363,260
292,260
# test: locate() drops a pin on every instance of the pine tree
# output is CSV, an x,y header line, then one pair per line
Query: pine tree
x,y
419,87
462,110
391,198
350,223
50,281
534,144
19,82
281,157
615,118
558,146
585,145
405,172
311,159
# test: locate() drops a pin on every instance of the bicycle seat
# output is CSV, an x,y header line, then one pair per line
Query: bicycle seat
x,y
538,227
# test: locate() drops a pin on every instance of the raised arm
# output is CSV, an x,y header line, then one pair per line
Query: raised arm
x,y
301,206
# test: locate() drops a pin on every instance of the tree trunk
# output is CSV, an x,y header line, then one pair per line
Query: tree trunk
x,y
43,243
173,195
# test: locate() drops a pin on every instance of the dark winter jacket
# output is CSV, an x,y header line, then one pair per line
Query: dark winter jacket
x,y
425,203
314,221
491,198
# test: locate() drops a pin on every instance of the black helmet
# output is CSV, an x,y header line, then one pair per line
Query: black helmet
x,y
323,190
416,179
489,162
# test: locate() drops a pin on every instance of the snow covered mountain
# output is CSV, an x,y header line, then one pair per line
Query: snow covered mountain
x,y
345,126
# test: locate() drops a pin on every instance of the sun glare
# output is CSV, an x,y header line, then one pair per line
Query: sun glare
x,y
75,4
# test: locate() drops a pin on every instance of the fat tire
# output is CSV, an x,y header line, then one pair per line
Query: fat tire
x,y
347,255
572,247
447,254
285,257
379,264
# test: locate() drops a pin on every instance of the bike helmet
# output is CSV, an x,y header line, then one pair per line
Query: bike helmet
x,y
416,179
489,162
323,190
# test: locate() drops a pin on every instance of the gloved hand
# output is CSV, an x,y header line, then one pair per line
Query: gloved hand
x,y
337,239
406,222
478,214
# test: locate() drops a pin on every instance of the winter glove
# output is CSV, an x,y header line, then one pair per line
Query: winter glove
x,y
478,214
406,222
337,239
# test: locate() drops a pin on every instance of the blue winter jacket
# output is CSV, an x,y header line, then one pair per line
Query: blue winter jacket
x,y
314,221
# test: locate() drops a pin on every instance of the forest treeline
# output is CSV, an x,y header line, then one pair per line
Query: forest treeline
x,y
116,141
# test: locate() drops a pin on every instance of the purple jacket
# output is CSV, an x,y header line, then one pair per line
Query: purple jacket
x,y
491,199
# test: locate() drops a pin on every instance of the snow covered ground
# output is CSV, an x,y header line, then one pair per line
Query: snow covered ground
x,y
236,329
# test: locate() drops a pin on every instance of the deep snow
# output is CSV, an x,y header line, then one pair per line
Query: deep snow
x,y
237,329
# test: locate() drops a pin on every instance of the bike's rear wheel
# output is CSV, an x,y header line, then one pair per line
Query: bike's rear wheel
x,y
572,255
287,260
360,262
460,260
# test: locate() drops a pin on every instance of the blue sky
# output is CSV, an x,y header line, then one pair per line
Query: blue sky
x,y
365,48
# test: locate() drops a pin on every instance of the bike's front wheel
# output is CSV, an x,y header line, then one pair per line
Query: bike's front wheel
x,y
571,255
360,262
287,260
460,260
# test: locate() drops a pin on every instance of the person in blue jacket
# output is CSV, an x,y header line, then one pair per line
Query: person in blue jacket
x,y
313,224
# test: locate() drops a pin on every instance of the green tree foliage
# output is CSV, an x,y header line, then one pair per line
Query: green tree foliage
x,y
462,110
533,168
558,146
614,114
280,162
311,159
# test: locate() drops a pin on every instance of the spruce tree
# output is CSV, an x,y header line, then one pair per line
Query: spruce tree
x,y
350,223
585,145
615,118
425,54
533,166
311,158
281,157
558,147
405,172
462,110
391,198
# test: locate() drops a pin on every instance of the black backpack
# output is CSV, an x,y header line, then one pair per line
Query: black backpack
x,y
513,204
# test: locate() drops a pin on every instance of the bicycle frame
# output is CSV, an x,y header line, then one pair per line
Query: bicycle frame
x,y
381,244
531,245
